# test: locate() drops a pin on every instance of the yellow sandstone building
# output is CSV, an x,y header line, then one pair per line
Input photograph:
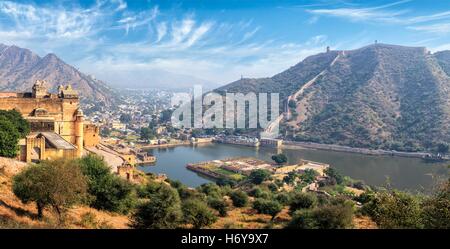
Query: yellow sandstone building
x,y
58,128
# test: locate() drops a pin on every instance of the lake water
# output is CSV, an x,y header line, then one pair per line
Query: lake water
x,y
403,173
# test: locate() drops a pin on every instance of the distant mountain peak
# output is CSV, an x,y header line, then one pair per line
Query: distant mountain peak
x,y
20,68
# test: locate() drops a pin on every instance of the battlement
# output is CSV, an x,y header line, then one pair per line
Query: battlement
x,y
52,113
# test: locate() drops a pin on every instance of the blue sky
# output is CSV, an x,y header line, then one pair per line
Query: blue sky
x,y
215,40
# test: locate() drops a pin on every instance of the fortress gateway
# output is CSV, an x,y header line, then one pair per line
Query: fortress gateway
x,y
57,123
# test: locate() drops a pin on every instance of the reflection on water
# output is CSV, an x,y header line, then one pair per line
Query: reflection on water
x,y
403,173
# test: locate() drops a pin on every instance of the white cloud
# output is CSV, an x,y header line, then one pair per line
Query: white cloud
x,y
198,33
382,13
218,64
161,29
121,4
52,23
438,28
180,30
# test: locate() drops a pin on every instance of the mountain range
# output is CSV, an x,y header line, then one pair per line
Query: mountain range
x,y
153,78
20,68
379,96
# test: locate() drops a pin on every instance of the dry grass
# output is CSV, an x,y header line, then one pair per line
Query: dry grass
x,y
248,218
364,222
15,214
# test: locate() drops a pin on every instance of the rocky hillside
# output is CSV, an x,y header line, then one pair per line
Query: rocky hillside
x,y
20,68
379,96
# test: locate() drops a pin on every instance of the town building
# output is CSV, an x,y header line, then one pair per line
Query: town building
x,y
268,142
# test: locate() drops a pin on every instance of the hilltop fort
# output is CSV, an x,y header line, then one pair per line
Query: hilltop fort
x,y
58,128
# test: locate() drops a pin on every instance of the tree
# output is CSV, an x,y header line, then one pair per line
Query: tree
x,y
334,174
166,116
125,118
147,133
280,158
436,210
211,190
59,184
22,126
9,138
258,192
308,176
260,175
269,207
239,198
197,213
226,182
394,209
109,192
218,204
283,198
162,211
291,177
303,219
336,216
302,201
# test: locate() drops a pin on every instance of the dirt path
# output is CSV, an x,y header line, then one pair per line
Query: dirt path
x,y
299,108
269,131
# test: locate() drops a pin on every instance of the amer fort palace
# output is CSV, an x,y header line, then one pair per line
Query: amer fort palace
x,y
58,128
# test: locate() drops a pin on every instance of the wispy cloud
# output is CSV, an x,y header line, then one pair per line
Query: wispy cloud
x,y
220,64
111,38
382,13
135,20
377,13
439,28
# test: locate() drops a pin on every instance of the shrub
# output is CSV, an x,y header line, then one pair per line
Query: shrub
x,y
13,116
59,184
283,198
226,182
394,210
273,187
258,192
436,210
218,204
302,201
334,175
109,191
211,190
290,178
269,207
197,213
303,219
258,176
162,211
334,216
324,217
147,190
308,176
280,158
187,193
239,198
9,138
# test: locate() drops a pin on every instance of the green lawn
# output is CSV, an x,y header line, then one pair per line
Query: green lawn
x,y
232,175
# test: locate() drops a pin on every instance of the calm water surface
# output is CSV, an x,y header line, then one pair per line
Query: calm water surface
x,y
403,173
